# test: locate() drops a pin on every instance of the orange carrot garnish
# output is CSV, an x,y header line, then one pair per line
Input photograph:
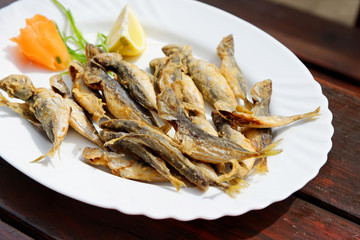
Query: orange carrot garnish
x,y
41,42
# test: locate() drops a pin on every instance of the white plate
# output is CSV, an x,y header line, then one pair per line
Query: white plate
x,y
305,145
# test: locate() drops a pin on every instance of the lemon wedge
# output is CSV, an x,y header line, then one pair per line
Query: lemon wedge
x,y
127,36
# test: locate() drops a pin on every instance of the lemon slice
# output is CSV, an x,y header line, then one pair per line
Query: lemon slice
x,y
126,36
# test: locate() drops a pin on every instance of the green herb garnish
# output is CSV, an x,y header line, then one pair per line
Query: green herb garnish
x,y
78,38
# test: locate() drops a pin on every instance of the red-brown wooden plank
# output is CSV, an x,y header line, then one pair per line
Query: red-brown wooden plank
x,y
327,79
51,214
338,182
319,41
8,232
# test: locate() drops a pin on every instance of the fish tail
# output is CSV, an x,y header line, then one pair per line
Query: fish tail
x,y
235,185
50,153
39,158
262,167
240,108
313,114
270,150
176,182
305,115
233,190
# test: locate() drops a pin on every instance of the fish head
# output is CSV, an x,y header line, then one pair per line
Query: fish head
x,y
18,86
59,86
91,51
94,74
76,70
261,91
107,59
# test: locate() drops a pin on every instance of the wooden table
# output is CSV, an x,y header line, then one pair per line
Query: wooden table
x,y
328,207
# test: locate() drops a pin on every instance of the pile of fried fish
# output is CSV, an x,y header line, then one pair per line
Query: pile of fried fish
x,y
153,127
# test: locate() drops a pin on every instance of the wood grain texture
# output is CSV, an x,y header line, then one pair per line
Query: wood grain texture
x,y
59,217
340,83
338,182
8,232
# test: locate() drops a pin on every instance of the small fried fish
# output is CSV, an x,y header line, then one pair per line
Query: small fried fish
x,y
118,101
230,69
207,78
136,81
260,137
153,138
243,119
89,99
78,119
49,108
123,165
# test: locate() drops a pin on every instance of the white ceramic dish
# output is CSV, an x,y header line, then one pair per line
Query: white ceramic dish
x,y
305,145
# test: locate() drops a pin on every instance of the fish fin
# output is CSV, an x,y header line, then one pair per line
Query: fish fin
x,y
50,153
176,182
240,108
313,114
261,167
235,185
270,150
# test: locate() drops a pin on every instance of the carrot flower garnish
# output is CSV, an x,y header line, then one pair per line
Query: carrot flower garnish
x,y
41,42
